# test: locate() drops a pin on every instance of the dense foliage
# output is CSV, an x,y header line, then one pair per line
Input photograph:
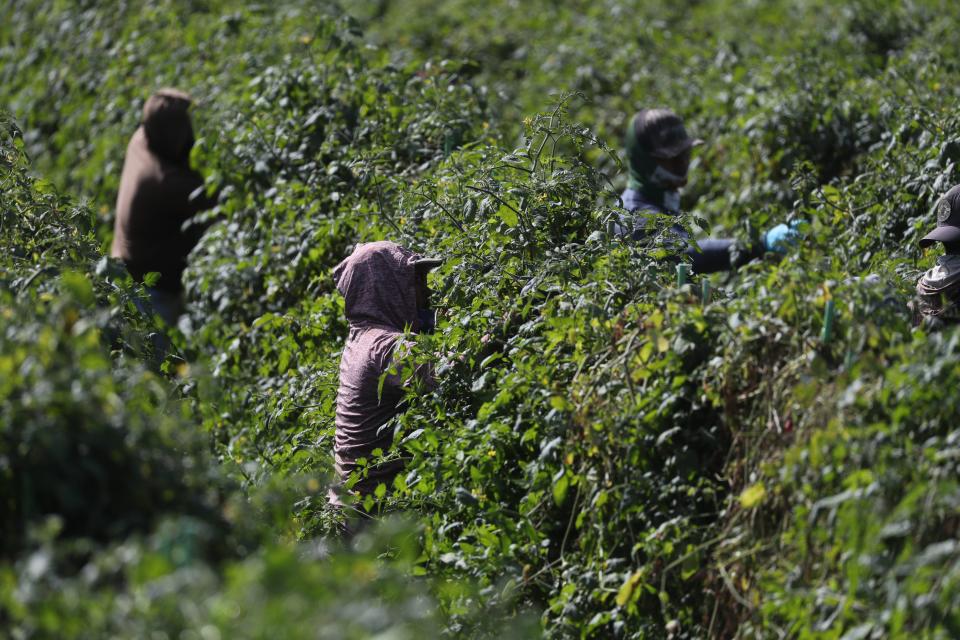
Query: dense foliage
x,y
608,453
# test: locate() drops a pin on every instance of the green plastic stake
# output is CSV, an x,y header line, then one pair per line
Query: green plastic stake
x,y
828,312
682,271
705,292
447,144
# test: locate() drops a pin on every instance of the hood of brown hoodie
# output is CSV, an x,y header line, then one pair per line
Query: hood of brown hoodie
x,y
378,285
166,123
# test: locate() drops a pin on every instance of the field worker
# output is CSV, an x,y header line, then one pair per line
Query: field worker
x,y
385,293
159,192
938,290
658,152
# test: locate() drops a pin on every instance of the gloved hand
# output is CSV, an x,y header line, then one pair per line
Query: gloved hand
x,y
781,237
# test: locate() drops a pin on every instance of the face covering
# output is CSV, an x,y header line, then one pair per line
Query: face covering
x,y
428,320
945,273
667,180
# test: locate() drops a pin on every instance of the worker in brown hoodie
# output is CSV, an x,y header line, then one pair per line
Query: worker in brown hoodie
x,y
159,192
384,287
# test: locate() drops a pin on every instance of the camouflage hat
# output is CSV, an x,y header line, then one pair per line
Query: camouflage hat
x,y
948,219
662,134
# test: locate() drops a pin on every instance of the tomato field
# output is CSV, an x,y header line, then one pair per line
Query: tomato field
x,y
608,453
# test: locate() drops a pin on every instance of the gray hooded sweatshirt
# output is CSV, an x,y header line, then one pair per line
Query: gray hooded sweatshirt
x,y
378,284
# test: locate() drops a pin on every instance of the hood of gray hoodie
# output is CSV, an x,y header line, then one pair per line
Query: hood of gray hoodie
x,y
378,284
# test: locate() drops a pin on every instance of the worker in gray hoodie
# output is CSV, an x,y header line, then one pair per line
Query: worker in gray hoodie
x,y
386,298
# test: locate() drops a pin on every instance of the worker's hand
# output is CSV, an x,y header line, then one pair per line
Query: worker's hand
x,y
781,237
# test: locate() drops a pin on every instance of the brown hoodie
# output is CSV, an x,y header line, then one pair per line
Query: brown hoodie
x,y
155,193
378,284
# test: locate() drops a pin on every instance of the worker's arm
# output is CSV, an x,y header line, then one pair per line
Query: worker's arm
x,y
721,254
709,255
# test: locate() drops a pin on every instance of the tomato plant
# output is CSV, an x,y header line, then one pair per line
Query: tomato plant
x,y
607,453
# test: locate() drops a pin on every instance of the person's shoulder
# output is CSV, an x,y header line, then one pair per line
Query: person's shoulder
x,y
630,199
634,202
139,162
138,140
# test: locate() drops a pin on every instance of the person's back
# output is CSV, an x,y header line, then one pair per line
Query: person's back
x,y
363,405
384,291
158,193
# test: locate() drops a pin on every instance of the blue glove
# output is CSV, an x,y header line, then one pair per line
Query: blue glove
x,y
781,237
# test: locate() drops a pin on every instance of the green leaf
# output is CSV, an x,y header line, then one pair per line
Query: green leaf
x,y
627,590
560,488
508,215
79,286
753,495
